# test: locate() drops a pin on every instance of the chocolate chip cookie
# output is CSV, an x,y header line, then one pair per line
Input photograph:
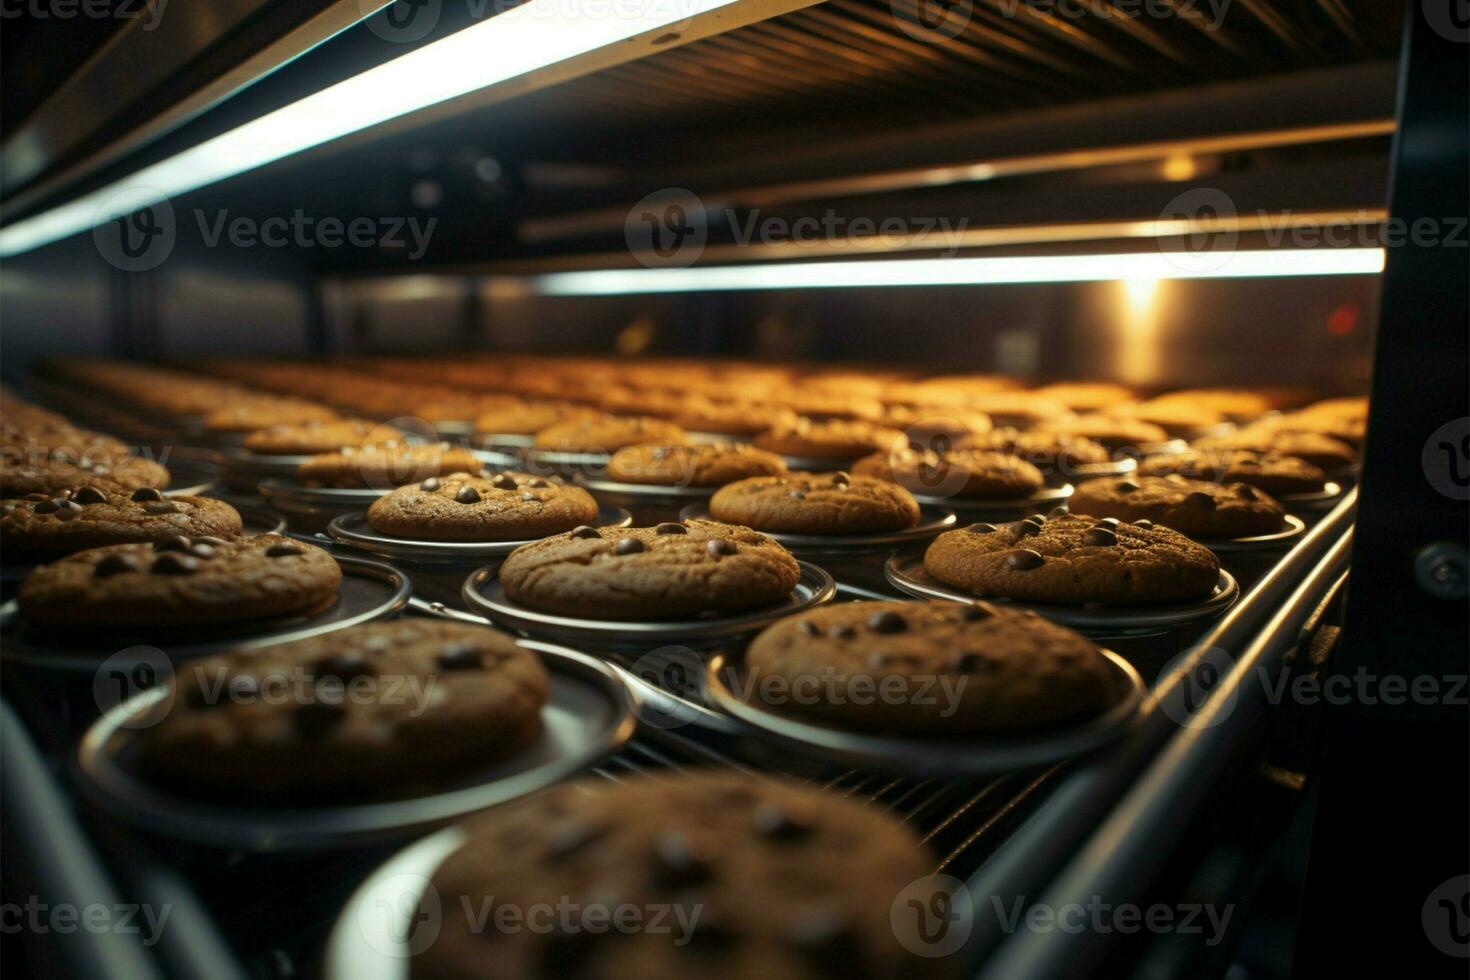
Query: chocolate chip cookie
x,y
932,668
312,438
384,710
181,581
1273,474
695,465
672,571
1192,507
607,434
97,515
816,503
1047,451
1109,431
524,418
1074,560
968,474
50,473
835,439
1319,450
381,467
749,877
466,507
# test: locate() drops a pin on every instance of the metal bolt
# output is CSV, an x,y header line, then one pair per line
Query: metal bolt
x,y
1443,570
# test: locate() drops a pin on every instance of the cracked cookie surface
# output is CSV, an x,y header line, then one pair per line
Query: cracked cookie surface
x,y
508,506
816,503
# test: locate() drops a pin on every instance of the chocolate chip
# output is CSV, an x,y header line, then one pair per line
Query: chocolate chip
x,y
570,837
429,485
797,495
284,550
68,511
719,547
1111,522
887,621
628,546
504,482
90,495
1061,511
982,529
115,565
671,527
842,632
713,931
1035,518
468,495
977,611
1201,500
679,863
1246,493
173,563
174,542
1024,560
201,550
841,479
160,507
773,823
583,531
210,540
529,496
146,493
1144,523
539,484
344,667
1027,528
969,663
809,628
48,506
460,657
317,716
1126,486
568,947
1100,537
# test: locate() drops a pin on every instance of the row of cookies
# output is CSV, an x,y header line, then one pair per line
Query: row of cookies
x,y
45,454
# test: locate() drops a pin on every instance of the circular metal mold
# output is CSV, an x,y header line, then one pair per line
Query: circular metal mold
x,y
932,521
354,530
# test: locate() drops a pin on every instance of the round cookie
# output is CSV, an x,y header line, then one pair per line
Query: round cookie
x,y
971,474
1048,451
1319,450
1192,507
383,710
937,429
312,438
1074,560
524,418
607,434
1109,431
759,878
380,467
466,507
61,470
98,515
1273,474
836,439
695,465
250,414
947,668
816,503
672,571
730,418
181,582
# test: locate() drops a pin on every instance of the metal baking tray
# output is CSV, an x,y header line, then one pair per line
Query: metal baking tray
x,y
354,530
191,477
906,573
370,590
651,491
1323,499
932,521
587,717
1283,538
968,508
484,594
958,755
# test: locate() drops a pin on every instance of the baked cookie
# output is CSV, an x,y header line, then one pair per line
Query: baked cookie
x,y
607,434
51,473
672,571
312,438
1322,451
384,710
250,414
949,668
937,429
835,439
467,507
1192,507
695,465
1109,431
1085,396
1074,560
102,514
1050,452
179,581
970,474
816,503
380,467
525,418
766,878
1273,474
729,417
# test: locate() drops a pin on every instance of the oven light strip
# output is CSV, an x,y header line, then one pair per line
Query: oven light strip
x,y
532,36
952,272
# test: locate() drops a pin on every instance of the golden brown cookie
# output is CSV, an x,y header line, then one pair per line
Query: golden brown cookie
x,y
381,467
608,434
1319,450
1273,474
836,439
968,474
816,503
525,418
1192,507
468,507
312,438
104,513
694,465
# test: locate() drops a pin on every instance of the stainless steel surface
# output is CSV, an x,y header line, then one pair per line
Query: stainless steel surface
x,y
354,530
586,717
905,571
968,509
932,520
727,681
1283,538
